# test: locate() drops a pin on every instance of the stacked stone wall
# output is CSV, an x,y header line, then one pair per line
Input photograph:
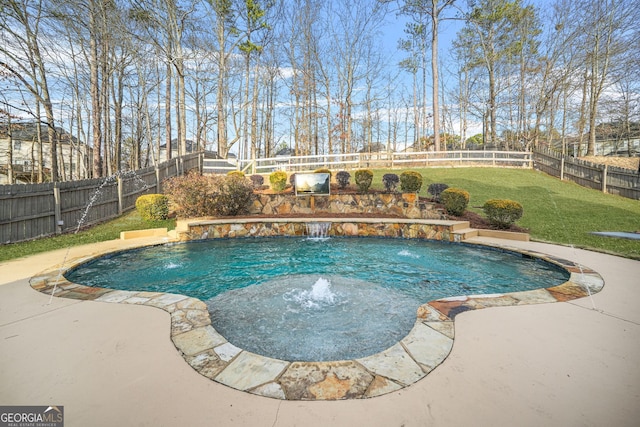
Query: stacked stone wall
x,y
406,205
217,229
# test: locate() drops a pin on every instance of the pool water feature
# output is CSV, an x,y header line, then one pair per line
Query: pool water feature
x,y
255,288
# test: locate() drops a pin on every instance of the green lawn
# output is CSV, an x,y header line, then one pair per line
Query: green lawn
x,y
107,231
554,211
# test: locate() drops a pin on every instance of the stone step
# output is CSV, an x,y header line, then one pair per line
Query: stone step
x,y
464,233
460,225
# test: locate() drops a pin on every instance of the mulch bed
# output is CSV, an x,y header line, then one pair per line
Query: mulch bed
x,y
475,220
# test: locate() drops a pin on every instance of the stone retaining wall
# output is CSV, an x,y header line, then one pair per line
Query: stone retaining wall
x,y
264,227
407,205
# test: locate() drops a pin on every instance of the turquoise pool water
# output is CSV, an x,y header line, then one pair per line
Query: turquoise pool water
x,y
314,299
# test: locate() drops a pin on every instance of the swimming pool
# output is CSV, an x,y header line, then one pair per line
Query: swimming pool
x,y
301,299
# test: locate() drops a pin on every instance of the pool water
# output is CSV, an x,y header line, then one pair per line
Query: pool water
x,y
317,299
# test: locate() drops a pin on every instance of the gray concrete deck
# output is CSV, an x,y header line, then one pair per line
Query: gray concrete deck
x,y
560,364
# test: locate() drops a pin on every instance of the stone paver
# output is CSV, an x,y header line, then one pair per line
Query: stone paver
x,y
250,370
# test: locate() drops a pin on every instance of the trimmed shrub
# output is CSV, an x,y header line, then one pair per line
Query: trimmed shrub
x,y
239,174
364,177
390,181
323,170
234,196
342,178
278,180
455,201
191,194
410,182
153,207
502,213
257,180
436,189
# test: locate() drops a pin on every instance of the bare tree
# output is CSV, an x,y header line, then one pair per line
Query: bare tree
x,y
20,22
435,11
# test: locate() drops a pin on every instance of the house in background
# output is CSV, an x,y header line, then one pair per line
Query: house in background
x,y
74,157
192,147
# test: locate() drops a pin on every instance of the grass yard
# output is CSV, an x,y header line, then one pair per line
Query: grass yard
x,y
554,211
107,231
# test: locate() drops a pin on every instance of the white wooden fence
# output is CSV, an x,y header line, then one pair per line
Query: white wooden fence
x,y
386,160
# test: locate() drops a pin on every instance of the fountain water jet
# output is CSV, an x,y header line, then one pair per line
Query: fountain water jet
x,y
92,200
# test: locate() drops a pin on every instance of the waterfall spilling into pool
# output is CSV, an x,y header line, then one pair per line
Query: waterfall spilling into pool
x,y
335,299
318,230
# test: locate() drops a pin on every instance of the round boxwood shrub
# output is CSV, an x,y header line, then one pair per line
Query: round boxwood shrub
x,y
390,181
342,178
257,180
502,213
410,182
278,180
455,201
364,177
239,174
323,170
436,189
153,207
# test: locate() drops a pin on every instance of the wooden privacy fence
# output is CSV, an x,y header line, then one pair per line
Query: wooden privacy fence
x,y
28,211
608,179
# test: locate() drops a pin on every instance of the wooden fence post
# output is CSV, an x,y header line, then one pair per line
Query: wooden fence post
x,y
57,216
562,168
120,195
158,187
604,179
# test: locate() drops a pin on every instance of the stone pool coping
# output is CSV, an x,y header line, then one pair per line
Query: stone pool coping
x,y
422,350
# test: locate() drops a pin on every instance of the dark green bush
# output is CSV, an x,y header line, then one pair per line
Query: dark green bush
x,y
436,189
502,213
278,180
342,178
455,201
153,207
364,177
390,181
410,182
257,180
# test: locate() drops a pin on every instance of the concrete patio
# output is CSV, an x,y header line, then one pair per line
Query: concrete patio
x,y
560,364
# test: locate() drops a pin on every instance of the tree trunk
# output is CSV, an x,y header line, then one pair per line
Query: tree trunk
x,y
434,74
167,112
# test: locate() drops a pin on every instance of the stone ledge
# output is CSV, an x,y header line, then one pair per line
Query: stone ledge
x,y
150,232
433,229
